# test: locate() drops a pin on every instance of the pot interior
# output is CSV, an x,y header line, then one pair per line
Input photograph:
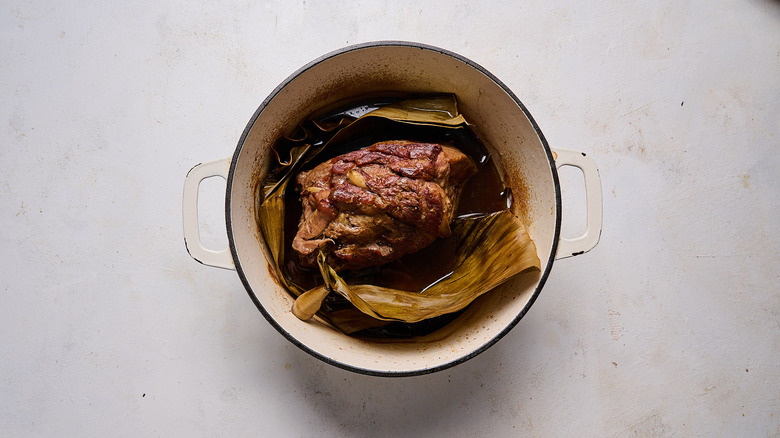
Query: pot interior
x,y
499,119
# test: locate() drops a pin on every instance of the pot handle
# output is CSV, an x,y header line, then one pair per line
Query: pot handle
x,y
594,206
218,259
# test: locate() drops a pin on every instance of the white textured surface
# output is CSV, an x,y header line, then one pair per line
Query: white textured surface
x,y
671,326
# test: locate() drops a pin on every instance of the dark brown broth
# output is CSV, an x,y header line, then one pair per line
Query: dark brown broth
x,y
482,193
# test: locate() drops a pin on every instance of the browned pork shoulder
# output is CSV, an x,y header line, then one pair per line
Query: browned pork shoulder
x,y
374,205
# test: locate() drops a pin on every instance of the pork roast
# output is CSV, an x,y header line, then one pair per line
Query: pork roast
x,y
374,205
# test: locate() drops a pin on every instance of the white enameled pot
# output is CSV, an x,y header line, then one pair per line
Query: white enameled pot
x,y
527,163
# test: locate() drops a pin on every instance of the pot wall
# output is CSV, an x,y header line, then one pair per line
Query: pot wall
x,y
498,119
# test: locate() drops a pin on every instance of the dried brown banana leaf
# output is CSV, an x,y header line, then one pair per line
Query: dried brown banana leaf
x,y
491,249
305,144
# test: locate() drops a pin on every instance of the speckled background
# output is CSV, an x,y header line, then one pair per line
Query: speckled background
x,y
669,327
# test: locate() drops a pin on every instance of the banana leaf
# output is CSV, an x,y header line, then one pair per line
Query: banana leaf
x,y
313,137
491,248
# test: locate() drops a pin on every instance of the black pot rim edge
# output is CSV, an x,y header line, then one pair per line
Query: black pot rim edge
x,y
292,339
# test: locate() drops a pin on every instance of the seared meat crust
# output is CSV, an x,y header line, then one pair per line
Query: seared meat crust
x,y
374,205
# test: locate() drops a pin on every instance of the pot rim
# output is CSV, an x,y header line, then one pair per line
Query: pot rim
x,y
372,372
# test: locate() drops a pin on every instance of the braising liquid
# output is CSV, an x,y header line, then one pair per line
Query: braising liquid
x,y
482,193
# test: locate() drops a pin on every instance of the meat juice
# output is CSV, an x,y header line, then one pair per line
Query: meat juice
x,y
482,193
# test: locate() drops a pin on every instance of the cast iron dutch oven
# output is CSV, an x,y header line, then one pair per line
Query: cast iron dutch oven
x,y
526,162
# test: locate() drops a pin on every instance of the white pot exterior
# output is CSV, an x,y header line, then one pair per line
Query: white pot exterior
x,y
501,121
